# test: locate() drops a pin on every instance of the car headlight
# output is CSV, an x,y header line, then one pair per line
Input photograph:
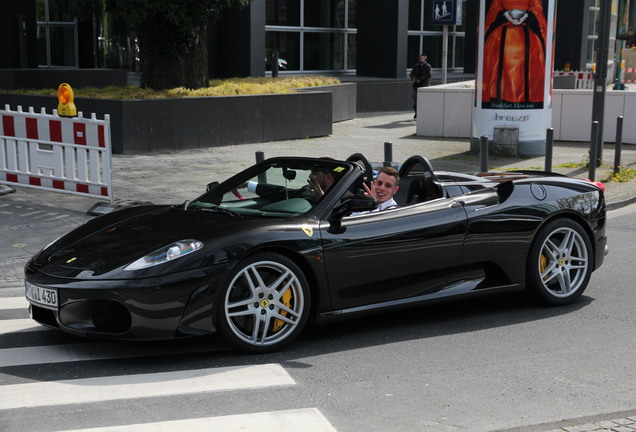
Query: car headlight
x,y
165,254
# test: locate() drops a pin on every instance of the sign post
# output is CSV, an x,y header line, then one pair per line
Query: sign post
x,y
600,79
445,13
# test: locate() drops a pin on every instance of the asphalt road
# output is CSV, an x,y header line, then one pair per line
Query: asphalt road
x,y
483,365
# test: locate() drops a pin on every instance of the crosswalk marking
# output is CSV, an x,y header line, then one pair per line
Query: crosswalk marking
x,y
304,419
90,351
100,389
8,303
19,325
151,385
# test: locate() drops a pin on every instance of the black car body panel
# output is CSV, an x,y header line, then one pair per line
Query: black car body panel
x,y
474,237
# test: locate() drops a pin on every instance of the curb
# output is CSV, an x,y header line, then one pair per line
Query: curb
x,y
620,204
5,190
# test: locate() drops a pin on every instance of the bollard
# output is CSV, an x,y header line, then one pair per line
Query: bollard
x,y
619,144
483,153
549,145
274,64
592,162
260,157
388,154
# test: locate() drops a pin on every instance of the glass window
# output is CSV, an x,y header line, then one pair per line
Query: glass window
x,y
41,46
56,35
426,38
62,46
415,14
288,46
432,47
325,13
351,13
317,41
40,10
57,12
351,52
458,52
282,12
413,50
323,51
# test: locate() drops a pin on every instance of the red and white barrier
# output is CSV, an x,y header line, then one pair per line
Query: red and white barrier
x,y
583,80
61,154
626,71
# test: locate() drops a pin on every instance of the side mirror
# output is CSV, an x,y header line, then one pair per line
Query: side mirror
x,y
211,186
358,203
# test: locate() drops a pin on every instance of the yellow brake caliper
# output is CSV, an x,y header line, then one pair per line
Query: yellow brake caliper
x,y
286,300
543,263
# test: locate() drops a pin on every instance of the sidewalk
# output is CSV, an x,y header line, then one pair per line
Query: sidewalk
x,y
175,177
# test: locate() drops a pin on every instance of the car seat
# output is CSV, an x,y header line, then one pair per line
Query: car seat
x,y
431,189
409,191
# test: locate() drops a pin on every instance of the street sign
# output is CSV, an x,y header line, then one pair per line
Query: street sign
x,y
446,12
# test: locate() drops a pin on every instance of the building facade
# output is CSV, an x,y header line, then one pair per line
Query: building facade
x,y
341,37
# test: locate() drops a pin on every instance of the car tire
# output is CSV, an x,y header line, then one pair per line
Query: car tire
x,y
559,262
265,304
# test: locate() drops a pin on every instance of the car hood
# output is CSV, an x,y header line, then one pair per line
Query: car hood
x,y
111,242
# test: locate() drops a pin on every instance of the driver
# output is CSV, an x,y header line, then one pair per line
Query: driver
x,y
320,180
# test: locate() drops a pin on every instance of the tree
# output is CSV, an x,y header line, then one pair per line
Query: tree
x,y
172,36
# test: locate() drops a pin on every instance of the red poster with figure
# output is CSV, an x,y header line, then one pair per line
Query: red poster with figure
x,y
513,85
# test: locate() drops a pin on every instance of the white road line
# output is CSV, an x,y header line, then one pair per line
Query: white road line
x,y
110,388
90,351
13,303
19,325
304,419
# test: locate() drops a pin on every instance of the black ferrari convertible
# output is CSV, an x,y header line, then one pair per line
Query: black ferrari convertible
x,y
261,255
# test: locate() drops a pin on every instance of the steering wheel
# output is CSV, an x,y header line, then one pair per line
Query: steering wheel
x,y
419,162
361,160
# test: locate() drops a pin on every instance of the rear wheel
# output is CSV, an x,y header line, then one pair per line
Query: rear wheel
x,y
265,305
560,262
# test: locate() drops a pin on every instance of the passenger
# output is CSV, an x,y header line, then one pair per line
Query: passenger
x,y
383,188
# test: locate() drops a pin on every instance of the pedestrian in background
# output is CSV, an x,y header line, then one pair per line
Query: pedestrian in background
x,y
421,77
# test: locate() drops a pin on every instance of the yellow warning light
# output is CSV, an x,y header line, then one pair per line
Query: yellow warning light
x,y
65,96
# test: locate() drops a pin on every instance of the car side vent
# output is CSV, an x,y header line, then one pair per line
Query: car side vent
x,y
504,190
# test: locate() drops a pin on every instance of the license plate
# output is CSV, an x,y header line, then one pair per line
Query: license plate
x,y
45,297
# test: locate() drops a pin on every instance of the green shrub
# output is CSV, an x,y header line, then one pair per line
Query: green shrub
x,y
229,87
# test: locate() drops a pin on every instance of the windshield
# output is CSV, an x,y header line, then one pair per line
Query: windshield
x,y
275,188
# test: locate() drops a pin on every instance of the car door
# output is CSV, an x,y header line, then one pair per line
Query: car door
x,y
394,254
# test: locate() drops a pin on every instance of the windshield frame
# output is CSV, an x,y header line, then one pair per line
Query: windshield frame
x,y
250,205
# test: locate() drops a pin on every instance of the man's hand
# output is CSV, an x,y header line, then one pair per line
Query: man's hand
x,y
315,188
370,192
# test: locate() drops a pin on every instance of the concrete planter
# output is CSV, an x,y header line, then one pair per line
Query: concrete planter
x,y
384,95
151,125
446,111
344,99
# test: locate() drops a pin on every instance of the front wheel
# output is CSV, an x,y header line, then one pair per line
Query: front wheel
x,y
560,262
265,305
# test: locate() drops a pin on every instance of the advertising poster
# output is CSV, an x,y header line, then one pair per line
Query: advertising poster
x,y
513,87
